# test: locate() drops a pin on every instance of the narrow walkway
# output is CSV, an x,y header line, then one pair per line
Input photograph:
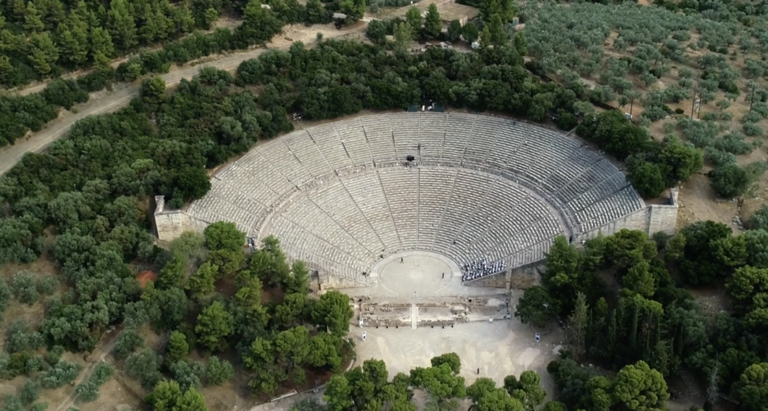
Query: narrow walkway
x,y
123,93
414,316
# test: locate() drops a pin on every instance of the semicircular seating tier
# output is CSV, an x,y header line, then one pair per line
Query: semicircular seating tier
x,y
342,195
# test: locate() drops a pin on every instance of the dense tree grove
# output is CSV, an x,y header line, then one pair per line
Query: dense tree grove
x,y
100,34
46,38
650,322
651,167
277,341
369,387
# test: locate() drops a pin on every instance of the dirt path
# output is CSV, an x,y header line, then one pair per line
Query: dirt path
x,y
108,102
36,87
97,356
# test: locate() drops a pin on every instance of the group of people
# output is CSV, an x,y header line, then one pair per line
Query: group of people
x,y
480,268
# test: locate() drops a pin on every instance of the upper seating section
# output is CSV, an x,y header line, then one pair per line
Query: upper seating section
x,y
479,188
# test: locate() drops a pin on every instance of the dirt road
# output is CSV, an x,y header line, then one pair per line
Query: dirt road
x,y
108,102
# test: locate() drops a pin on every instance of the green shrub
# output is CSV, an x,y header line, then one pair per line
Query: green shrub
x,y
219,371
700,133
654,113
102,373
87,391
752,117
646,178
717,157
40,406
64,93
5,366
188,374
5,297
733,143
12,403
759,220
761,108
34,364
729,180
144,366
60,374
54,354
18,363
19,338
128,341
47,285
25,287
752,129
30,392
566,120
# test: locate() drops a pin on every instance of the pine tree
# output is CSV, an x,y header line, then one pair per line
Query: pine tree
x,y
166,396
433,25
148,32
633,327
69,46
192,400
19,10
202,282
43,53
182,19
78,26
121,24
413,18
489,9
358,9
612,334
315,11
469,32
101,65
214,325
73,40
508,10
101,43
32,20
578,323
81,12
485,37
402,35
210,17
520,44
177,347
713,389
498,33
6,69
164,24
54,15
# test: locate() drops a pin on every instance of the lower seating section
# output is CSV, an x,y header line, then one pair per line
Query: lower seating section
x,y
489,192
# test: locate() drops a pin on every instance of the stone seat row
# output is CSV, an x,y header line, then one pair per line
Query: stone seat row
x,y
361,215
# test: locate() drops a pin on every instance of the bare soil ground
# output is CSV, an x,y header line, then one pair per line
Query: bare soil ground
x,y
33,314
449,10
697,198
